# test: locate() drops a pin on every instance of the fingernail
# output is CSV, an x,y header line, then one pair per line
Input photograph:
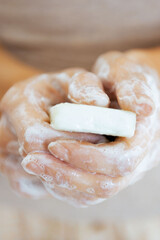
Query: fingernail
x,y
102,101
52,147
52,144
31,166
58,151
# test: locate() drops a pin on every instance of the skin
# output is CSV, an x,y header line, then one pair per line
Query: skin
x,y
82,169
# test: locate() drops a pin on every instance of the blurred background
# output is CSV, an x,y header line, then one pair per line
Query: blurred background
x,y
55,34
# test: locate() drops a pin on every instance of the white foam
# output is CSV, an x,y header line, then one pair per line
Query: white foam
x,y
35,190
102,68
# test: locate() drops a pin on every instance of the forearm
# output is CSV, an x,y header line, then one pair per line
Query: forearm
x,y
12,71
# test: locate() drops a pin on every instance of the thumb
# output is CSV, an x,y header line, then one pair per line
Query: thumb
x,y
86,88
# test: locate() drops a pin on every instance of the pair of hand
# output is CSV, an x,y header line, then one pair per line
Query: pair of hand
x,y
80,168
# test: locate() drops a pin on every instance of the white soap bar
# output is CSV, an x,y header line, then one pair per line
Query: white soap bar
x,y
92,119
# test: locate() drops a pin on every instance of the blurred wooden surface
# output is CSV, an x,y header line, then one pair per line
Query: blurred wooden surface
x,y
54,34
17,225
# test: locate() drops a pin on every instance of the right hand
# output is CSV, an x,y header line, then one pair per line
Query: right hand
x,y
134,87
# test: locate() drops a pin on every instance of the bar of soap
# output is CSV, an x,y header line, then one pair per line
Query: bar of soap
x,y
92,119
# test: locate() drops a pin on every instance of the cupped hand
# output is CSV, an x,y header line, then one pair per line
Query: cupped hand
x,y
134,87
25,125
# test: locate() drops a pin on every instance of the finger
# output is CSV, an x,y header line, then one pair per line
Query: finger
x,y
63,79
113,159
133,85
74,198
132,96
102,66
39,135
69,194
105,70
136,88
45,165
86,88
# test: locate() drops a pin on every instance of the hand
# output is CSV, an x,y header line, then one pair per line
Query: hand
x,y
132,87
25,128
